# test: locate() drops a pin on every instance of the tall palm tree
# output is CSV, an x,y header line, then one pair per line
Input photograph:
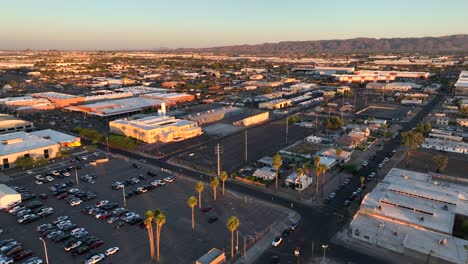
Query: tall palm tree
x,y
317,171
300,173
192,202
214,184
232,224
362,179
338,153
149,217
223,177
323,170
199,187
160,220
307,168
316,161
277,161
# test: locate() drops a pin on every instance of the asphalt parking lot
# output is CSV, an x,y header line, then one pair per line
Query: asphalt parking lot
x,y
179,244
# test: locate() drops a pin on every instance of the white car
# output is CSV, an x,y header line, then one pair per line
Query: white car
x,y
95,259
72,246
365,163
49,178
55,173
39,177
29,172
381,165
6,260
277,241
141,189
386,159
372,174
101,203
157,183
169,179
84,157
75,202
111,251
60,219
38,182
34,260
66,174
76,231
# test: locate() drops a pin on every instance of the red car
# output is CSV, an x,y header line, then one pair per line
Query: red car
x,y
62,196
105,216
22,255
97,244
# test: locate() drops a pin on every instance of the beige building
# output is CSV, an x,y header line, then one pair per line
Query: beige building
x,y
156,128
8,196
9,124
462,122
22,144
214,256
275,104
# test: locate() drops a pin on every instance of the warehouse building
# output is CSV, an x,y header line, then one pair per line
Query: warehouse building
x,y
214,115
22,144
275,104
66,141
173,98
8,196
252,120
416,215
156,129
60,99
9,124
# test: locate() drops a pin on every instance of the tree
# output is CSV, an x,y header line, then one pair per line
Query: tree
x,y
214,184
441,162
24,162
232,224
199,187
277,161
362,179
323,170
412,140
338,153
316,161
192,202
423,128
149,217
223,177
160,220
333,123
307,168
317,178
299,173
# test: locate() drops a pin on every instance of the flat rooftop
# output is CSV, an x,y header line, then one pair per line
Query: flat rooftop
x,y
116,107
54,95
55,136
22,141
154,122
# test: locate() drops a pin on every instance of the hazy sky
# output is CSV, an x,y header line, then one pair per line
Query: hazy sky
x,y
140,24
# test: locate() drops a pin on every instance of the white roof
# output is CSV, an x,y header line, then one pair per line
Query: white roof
x,y
55,136
5,190
22,141
154,122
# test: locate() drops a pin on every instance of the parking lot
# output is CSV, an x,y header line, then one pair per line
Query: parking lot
x,y
179,244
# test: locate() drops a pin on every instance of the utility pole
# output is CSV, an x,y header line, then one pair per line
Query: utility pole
x,y
383,94
245,247
313,245
237,243
76,176
287,128
123,195
107,144
366,98
246,143
354,102
218,152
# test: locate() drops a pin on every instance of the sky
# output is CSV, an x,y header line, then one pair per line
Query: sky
x,y
149,24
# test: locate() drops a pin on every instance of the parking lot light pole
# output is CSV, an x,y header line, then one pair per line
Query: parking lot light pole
x,y
45,250
123,195
324,252
76,176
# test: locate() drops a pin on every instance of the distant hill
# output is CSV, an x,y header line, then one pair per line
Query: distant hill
x,y
359,45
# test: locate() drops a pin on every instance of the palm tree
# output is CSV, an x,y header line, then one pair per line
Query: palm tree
x,y
149,217
316,161
277,161
307,168
223,177
214,184
199,187
338,153
317,178
300,173
323,170
160,220
192,202
232,224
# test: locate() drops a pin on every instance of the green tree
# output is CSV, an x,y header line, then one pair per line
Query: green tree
x,y
294,119
277,161
333,123
192,202
232,224
338,153
160,220
307,168
323,171
214,185
423,128
24,162
412,140
362,179
149,217
441,162
223,177
199,187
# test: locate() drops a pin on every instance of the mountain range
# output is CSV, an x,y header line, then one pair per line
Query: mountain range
x,y
452,43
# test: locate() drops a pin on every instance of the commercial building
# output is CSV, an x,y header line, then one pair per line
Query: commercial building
x,y
214,115
214,256
22,144
8,196
118,107
462,122
380,76
172,98
318,70
252,120
265,173
414,214
442,121
461,86
156,129
9,124
60,99
66,141
445,145
275,104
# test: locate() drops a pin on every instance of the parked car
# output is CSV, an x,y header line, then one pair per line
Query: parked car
x,y
111,251
277,241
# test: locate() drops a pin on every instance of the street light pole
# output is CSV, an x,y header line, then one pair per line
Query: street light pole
x,y
324,252
298,254
76,176
123,195
45,250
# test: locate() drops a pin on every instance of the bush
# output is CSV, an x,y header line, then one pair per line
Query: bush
x,y
294,119
333,123
91,134
122,142
350,167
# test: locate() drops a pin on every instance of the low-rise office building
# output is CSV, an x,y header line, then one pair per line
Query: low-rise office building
x,y
120,107
275,104
22,144
156,129
414,214
66,141
9,124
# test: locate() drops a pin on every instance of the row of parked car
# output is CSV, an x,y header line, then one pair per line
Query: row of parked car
x,y
148,187
13,251
113,214
74,196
